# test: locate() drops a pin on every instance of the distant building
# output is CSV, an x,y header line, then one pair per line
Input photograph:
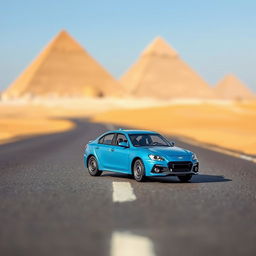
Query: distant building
x,y
64,69
230,87
161,73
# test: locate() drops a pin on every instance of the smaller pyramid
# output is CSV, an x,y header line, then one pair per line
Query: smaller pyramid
x,y
159,47
230,87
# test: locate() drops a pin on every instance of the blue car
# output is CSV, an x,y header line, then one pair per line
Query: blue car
x,y
139,153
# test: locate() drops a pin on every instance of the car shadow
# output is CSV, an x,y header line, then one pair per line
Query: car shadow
x,y
200,178
207,178
117,175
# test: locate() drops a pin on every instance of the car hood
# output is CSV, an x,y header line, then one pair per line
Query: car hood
x,y
169,151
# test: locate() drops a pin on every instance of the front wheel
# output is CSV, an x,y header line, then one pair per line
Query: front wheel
x,y
185,178
139,171
93,167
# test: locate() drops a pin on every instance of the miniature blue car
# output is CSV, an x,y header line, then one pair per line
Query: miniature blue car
x,y
140,153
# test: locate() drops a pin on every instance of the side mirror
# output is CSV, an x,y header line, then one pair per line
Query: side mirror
x,y
123,144
172,143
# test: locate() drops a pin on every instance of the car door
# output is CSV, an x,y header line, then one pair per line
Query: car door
x,y
104,151
120,155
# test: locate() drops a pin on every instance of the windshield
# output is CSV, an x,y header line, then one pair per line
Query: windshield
x,y
148,140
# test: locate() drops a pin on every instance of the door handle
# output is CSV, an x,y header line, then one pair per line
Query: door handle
x,y
111,150
97,148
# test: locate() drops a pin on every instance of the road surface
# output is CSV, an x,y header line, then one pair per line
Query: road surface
x,y
51,206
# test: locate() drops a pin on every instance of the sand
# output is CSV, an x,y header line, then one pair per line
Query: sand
x,y
13,129
227,124
22,118
231,125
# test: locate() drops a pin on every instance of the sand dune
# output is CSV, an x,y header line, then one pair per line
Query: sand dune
x,y
21,118
24,120
231,125
227,124
17,128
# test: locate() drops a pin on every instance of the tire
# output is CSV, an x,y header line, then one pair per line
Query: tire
x,y
138,170
185,178
93,167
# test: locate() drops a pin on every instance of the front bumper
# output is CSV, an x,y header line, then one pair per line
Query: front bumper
x,y
164,169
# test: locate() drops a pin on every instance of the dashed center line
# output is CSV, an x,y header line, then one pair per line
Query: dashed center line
x,y
122,192
127,244
220,150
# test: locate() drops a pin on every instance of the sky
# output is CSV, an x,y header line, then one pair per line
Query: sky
x,y
214,37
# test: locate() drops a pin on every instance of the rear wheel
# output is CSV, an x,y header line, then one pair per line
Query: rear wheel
x,y
185,178
139,171
93,167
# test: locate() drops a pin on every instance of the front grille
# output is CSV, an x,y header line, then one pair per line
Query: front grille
x,y
180,166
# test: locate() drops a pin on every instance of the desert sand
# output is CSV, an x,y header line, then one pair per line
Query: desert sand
x,y
226,124
21,118
18,120
13,129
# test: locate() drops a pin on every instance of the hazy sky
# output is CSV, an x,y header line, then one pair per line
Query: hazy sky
x,y
214,37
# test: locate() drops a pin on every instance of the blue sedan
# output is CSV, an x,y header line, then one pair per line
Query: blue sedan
x,y
139,153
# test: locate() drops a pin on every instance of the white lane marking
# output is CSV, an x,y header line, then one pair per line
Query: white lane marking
x,y
220,150
127,244
248,158
122,192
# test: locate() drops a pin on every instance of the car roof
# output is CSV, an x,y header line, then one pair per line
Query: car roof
x,y
133,131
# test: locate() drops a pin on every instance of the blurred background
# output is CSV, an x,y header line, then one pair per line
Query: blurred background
x,y
170,55
182,68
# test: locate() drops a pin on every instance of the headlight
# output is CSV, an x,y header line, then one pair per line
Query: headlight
x,y
156,158
194,157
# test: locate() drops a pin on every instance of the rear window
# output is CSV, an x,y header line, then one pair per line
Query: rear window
x,y
107,139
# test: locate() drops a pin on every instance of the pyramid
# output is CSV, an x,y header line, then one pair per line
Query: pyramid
x,y
161,73
230,87
64,69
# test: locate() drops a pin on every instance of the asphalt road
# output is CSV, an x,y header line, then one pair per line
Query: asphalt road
x,y
49,205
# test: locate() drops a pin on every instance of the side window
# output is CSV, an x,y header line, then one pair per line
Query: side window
x,y
107,139
101,140
120,138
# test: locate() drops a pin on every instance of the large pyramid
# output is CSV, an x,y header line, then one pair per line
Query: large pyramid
x,y
230,87
161,73
64,68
